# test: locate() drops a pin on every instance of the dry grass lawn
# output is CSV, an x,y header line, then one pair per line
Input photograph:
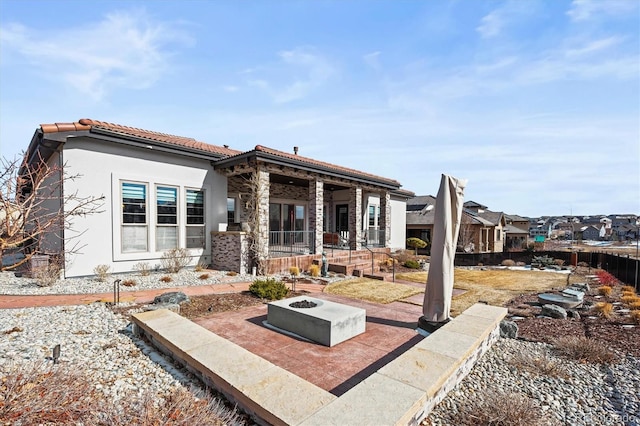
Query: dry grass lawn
x,y
495,287
372,290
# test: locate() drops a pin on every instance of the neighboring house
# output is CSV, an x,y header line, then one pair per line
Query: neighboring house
x,y
516,232
481,230
163,192
595,232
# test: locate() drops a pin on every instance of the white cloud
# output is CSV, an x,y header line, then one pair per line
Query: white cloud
x,y
508,14
297,74
491,24
583,10
372,59
125,50
594,46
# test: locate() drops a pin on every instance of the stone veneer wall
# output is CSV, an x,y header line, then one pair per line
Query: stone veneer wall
x,y
288,192
230,251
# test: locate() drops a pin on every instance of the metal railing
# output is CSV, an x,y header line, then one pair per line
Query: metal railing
x,y
374,238
290,243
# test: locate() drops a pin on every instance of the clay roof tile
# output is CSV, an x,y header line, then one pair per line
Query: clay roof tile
x,y
88,124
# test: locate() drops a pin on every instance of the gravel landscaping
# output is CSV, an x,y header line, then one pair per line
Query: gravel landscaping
x,y
98,340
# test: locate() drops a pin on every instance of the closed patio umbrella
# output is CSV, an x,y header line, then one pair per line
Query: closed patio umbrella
x,y
448,212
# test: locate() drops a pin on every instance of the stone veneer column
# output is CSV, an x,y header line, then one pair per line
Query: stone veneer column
x,y
263,213
316,205
385,216
355,218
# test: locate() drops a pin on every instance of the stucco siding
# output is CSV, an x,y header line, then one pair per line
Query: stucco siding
x,y
103,167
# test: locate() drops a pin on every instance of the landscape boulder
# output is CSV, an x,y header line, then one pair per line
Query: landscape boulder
x,y
508,329
554,311
172,297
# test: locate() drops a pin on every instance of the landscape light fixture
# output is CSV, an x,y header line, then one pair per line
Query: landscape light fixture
x,y
56,353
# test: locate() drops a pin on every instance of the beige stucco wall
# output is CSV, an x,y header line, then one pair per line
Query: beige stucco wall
x,y
102,166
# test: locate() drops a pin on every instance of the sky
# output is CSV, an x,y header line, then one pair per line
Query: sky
x,y
535,103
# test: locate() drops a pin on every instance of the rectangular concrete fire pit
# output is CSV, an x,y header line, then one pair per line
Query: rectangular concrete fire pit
x,y
327,323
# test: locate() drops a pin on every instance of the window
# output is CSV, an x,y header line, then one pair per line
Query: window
x,y
231,210
372,216
166,218
195,219
134,217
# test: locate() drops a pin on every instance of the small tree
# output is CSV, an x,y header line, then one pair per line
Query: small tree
x,y
466,234
416,243
33,205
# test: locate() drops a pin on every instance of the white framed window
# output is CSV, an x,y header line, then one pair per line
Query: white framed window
x,y
374,216
166,218
231,210
134,217
195,224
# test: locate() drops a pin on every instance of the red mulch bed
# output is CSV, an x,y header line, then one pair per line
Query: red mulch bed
x,y
609,331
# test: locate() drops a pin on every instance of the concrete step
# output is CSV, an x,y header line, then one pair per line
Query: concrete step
x,y
348,268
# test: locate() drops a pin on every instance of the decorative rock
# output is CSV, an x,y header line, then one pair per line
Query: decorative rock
x,y
508,329
172,297
170,306
584,287
554,311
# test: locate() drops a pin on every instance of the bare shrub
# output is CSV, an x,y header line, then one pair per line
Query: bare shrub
x,y
175,259
46,276
203,276
232,273
41,394
629,300
542,364
129,283
102,272
56,394
508,262
314,270
583,348
559,262
604,309
605,290
492,408
180,408
143,267
403,255
201,266
166,279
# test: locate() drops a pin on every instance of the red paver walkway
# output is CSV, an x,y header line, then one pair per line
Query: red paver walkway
x,y
137,296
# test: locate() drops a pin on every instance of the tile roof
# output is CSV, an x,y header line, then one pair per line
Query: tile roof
x,y
311,161
88,124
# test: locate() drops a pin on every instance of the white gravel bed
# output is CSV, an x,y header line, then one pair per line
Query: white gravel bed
x,y
10,284
93,339
584,394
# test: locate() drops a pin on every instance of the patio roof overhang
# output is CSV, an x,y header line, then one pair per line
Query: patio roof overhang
x,y
241,163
